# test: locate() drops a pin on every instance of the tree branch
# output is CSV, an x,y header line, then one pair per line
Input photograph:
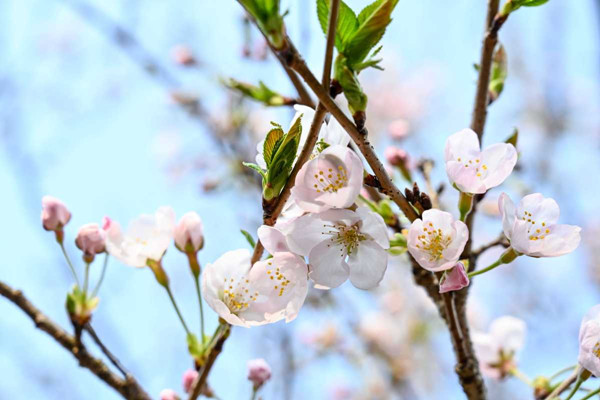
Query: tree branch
x,y
129,388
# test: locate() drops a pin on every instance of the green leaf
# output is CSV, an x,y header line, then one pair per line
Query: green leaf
x,y
249,238
374,19
513,5
260,93
514,138
268,19
272,144
347,22
498,73
256,168
357,100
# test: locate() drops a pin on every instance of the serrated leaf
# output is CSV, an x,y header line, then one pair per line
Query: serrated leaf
x,y
272,143
260,93
249,238
374,20
256,168
347,23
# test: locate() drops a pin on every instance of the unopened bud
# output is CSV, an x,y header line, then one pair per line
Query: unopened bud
x,y
454,279
182,55
169,394
425,201
189,233
258,372
55,214
90,239
189,377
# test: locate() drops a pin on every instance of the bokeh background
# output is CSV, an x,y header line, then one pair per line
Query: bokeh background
x,y
95,110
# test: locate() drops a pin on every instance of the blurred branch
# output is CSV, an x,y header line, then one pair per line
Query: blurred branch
x,y
500,241
113,359
129,388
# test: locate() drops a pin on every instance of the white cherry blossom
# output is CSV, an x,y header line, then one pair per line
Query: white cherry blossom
x,y
333,179
436,240
147,237
473,170
342,244
497,350
267,292
589,341
531,227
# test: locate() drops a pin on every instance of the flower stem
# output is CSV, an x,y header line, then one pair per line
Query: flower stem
x,y
168,289
508,256
95,291
254,393
560,372
64,251
465,205
576,388
199,293
521,376
86,277
591,394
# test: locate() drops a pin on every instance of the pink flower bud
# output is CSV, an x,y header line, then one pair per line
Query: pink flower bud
x,y
189,233
454,279
258,372
396,156
189,377
90,239
169,394
55,214
398,129
182,55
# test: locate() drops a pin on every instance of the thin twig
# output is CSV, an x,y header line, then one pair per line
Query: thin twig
x,y
113,359
129,388
500,241
563,386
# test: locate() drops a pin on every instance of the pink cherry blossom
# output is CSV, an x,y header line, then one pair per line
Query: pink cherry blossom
x,y
589,341
189,377
267,292
189,233
497,350
333,179
168,394
454,279
531,227
147,237
259,372
473,170
182,55
436,241
342,244
399,129
396,156
55,214
91,240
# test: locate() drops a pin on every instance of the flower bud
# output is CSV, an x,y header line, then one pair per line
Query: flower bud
x,y
169,394
258,372
455,279
398,129
189,377
90,239
189,235
182,55
396,156
55,214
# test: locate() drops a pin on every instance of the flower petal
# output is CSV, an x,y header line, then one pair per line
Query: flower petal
x,y
499,159
367,265
328,265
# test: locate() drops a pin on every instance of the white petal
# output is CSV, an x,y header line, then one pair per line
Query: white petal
x,y
542,210
464,177
367,265
508,211
328,265
561,240
272,239
500,159
374,226
335,134
305,233
509,332
486,348
463,144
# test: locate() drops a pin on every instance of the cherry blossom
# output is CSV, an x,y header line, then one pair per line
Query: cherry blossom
x,y
90,239
473,170
330,134
333,179
342,244
454,279
531,227
589,341
497,350
147,237
259,372
189,233
189,376
436,241
55,214
271,290
169,394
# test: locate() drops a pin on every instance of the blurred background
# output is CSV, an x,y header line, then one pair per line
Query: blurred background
x,y
117,107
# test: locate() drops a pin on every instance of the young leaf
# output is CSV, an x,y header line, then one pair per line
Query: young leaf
x,y
498,73
272,144
249,238
346,25
257,169
260,93
357,100
374,20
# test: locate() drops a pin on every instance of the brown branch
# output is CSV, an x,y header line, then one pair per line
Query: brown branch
x,y
129,388
200,382
272,212
500,241
113,359
563,386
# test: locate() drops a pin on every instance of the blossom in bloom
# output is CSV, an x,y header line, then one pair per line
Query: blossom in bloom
x,y
436,241
341,244
331,133
55,213
90,239
497,350
333,179
454,279
147,237
264,293
259,372
168,394
531,227
189,377
189,233
473,170
589,341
